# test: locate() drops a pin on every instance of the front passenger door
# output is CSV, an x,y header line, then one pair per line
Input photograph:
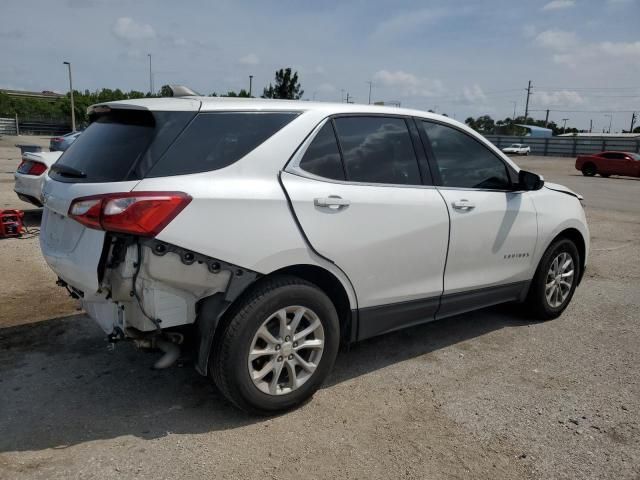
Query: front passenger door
x,y
493,226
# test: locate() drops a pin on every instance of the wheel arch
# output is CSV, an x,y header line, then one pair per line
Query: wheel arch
x,y
214,311
333,288
576,237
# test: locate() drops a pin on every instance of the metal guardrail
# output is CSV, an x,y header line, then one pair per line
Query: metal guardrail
x,y
33,127
8,126
568,146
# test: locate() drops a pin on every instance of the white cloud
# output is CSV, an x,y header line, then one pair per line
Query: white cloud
x,y
569,50
407,22
250,59
559,4
557,39
474,94
408,84
128,30
621,49
563,97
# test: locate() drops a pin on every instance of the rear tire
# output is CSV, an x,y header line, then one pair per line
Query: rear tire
x,y
273,319
589,170
555,280
605,175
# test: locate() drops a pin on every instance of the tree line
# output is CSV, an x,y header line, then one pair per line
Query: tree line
x,y
285,86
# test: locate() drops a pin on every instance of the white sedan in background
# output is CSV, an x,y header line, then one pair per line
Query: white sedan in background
x,y
31,173
518,149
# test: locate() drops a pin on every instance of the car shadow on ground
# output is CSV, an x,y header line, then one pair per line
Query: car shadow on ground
x,y
61,386
611,177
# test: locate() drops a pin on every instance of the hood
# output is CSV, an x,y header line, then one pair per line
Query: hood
x,y
562,189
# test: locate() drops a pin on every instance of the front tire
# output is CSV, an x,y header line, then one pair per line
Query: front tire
x,y
278,346
555,280
589,170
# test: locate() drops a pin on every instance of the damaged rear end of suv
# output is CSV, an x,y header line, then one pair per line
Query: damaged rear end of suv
x,y
149,221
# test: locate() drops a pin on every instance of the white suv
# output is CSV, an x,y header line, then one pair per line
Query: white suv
x,y
264,233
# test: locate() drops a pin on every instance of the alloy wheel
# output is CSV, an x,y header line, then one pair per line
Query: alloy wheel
x,y
559,279
286,350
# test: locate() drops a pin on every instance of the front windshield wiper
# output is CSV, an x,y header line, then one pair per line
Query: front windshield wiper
x,y
68,171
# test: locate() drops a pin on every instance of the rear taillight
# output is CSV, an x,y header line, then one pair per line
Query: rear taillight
x,y
56,140
137,213
29,167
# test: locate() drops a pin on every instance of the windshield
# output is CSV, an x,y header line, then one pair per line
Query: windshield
x,y
635,156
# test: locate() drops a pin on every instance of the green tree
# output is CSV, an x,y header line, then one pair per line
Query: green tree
x,y
286,86
165,91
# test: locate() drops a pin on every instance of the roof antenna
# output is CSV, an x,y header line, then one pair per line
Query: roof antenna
x,y
182,91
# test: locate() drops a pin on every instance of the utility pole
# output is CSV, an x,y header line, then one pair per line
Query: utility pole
x,y
250,84
514,109
546,119
590,125
73,110
610,120
564,125
633,121
370,84
526,108
348,98
150,75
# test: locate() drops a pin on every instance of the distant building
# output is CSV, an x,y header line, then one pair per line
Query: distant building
x,y
45,95
538,132
601,135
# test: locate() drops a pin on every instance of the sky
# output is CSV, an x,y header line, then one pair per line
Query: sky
x,y
460,57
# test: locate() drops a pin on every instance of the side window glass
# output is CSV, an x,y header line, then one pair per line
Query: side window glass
x,y
463,161
378,150
322,158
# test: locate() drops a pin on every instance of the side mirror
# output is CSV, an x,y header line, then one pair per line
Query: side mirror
x,y
529,180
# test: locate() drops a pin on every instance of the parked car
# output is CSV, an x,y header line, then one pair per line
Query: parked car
x,y
609,163
60,144
272,231
31,174
517,149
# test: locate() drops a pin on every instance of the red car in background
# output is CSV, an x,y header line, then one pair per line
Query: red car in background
x,y
609,163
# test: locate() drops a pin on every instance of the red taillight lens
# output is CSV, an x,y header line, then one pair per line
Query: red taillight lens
x,y
137,213
37,168
29,167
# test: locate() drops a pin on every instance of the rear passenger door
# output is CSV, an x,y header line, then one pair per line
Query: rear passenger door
x,y
362,193
493,224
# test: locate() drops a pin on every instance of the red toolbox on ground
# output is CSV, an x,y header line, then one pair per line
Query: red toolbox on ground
x,y
11,223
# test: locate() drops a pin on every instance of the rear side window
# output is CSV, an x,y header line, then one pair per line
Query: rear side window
x,y
216,140
463,161
378,150
108,150
322,158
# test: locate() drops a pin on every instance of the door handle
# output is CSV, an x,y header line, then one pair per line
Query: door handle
x,y
332,201
464,205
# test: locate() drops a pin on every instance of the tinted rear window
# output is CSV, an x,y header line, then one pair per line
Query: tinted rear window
x,y
216,140
119,145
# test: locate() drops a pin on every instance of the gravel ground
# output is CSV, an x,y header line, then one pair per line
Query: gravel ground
x,y
482,395
27,286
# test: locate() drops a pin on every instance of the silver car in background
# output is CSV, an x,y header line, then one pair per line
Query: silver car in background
x,y
61,143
